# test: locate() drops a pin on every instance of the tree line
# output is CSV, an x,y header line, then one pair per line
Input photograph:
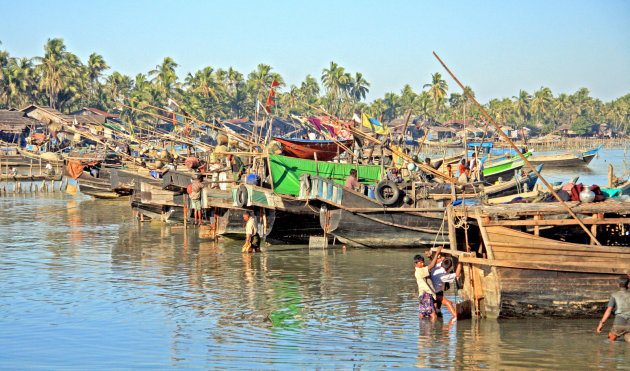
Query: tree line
x,y
61,80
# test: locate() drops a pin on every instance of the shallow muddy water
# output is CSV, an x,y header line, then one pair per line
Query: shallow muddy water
x,y
84,285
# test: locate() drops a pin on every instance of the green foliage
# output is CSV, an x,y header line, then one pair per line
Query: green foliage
x,y
61,80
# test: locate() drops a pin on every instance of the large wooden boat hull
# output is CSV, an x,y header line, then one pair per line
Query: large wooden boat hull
x,y
518,292
282,218
124,181
380,230
326,150
527,275
360,221
97,187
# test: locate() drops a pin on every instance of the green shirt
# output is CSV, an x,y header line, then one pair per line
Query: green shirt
x,y
620,302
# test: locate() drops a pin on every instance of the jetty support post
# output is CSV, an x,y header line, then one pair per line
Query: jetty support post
x,y
610,176
452,236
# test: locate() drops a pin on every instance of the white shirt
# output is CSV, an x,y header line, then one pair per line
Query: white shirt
x,y
250,227
424,284
439,277
312,136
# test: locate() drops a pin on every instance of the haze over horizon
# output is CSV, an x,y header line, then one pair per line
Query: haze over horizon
x,y
497,48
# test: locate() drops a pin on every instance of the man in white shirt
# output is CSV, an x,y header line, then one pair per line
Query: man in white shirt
x,y
426,292
440,277
252,239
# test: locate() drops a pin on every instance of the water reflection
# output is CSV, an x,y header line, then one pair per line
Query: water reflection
x,y
84,284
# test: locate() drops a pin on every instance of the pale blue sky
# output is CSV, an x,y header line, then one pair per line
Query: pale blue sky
x,y
496,47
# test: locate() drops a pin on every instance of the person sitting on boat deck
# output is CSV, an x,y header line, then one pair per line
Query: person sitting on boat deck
x,y
49,170
426,293
352,181
13,172
620,304
195,198
428,176
449,170
95,171
311,135
461,167
463,177
252,238
440,278
394,176
238,169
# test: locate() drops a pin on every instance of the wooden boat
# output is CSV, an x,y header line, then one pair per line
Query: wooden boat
x,y
567,159
124,181
326,150
42,158
281,218
504,169
477,192
97,184
358,220
532,260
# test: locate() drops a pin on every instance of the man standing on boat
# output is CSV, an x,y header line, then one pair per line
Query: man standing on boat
x,y
426,293
238,169
195,197
352,181
620,304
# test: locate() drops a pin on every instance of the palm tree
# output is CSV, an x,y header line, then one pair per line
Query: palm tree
x,y
204,82
437,90
522,105
96,65
337,83
309,88
360,88
260,80
424,105
52,69
391,104
165,77
540,103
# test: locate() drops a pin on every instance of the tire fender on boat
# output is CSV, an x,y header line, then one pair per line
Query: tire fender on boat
x,y
241,196
380,195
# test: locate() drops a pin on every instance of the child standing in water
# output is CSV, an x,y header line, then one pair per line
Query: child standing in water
x,y
426,293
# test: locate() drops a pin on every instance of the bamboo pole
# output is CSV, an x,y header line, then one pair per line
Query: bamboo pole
x,y
188,117
402,141
507,139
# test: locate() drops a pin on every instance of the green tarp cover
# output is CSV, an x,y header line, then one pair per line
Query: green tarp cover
x,y
286,172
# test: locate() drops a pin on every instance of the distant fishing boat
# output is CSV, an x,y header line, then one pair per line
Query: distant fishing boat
x,y
326,150
567,159
504,169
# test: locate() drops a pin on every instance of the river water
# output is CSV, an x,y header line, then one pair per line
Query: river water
x,y
84,285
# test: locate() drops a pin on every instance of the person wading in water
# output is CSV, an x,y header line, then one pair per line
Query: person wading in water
x,y
620,304
252,238
426,293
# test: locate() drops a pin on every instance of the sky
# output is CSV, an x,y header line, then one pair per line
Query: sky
x,y
495,47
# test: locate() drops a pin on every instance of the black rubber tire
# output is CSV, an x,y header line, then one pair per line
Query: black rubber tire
x,y
241,196
380,197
